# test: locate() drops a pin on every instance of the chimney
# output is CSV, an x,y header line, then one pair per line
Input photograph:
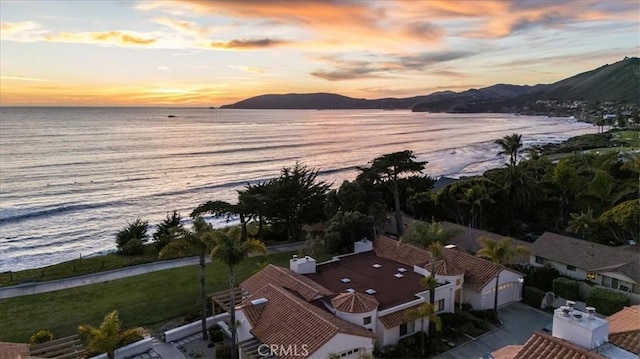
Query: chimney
x,y
363,245
569,325
304,265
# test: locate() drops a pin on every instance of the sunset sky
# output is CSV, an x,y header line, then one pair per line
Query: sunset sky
x,y
210,53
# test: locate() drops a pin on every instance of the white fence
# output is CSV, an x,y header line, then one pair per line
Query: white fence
x,y
130,350
192,328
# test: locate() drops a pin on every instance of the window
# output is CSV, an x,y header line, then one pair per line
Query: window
x,y
458,282
439,305
571,268
614,283
366,320
539,260
407,328
606,281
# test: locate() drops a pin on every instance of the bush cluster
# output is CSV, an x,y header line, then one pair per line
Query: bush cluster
x,y
41,336
533,296
566,288
606,301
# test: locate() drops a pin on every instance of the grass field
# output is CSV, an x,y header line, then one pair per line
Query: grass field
x,y
78,267
147,300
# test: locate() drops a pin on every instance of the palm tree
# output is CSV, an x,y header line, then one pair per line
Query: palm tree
x,y
581,223
425,310
199,240
475,197
511,144
563,178
499,251
230,250
109,336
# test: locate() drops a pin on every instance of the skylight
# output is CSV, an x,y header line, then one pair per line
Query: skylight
x,y
377,265
370,291
398,275
345,280
351,290
402,270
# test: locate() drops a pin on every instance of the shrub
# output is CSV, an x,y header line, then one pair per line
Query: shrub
x,y
606,301
566,288
132,237
487,314
533,296
543,277
40,337
223,351
215,334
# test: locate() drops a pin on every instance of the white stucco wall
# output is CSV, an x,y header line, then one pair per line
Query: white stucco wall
x,y
512,292
358,318
244,326
344,342
392,335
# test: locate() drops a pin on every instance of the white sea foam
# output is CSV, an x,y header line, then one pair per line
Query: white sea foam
x,y
72,177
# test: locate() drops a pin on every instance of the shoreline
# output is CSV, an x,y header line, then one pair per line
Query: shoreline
x,y
463,164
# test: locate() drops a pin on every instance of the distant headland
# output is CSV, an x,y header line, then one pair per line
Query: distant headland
x,y
616,83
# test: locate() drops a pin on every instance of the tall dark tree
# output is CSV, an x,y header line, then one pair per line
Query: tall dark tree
x,y
224,209
388,169
131,239
296,198
166,230
199,240
344,228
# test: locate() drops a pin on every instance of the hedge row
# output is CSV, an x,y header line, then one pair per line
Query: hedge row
x,y
533,296
566,288
606,301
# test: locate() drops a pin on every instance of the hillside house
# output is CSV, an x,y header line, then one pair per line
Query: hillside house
x,y
345,305
616,268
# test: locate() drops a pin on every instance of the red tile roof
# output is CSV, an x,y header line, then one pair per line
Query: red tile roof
x,y
396,318
286,278
545,346
354,302
290,321
446,268
398,251
13,350
508,352
624,329
467,238
478,272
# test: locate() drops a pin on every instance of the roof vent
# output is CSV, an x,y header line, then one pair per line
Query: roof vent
x,y
571,304
351,290
402,270
345,280
259,301
377,265
398,275
370,291
295,257
591,311
450,246
565,310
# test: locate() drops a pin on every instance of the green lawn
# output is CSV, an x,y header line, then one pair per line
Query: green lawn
x,y
77,267
146,300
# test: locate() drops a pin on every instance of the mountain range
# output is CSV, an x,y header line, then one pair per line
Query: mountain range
x,y
617,82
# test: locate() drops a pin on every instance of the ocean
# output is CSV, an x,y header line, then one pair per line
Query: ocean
x,y
70,178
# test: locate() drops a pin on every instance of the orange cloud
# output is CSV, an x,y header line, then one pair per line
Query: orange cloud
x,y
246,44
109,37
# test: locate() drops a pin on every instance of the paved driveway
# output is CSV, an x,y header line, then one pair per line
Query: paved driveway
x,y
520,321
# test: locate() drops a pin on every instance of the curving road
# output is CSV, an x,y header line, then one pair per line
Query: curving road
x,y
60,284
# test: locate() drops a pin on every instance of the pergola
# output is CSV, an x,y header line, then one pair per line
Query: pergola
x,y
223,298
